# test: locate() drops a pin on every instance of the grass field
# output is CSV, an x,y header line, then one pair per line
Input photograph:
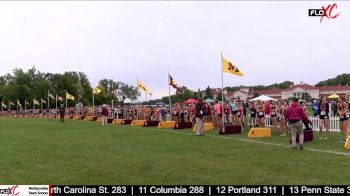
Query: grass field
x,y
43,151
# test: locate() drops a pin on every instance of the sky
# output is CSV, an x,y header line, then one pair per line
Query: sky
x,y
270,41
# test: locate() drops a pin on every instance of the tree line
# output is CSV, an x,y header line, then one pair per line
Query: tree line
x,y
33,84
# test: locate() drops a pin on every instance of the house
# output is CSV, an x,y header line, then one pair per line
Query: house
x,y
299,90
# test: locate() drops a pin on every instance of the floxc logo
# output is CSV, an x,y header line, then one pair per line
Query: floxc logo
x,y
328,12
10,191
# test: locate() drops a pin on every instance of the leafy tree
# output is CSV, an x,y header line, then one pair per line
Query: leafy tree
x,y
343,79
208,93
308,97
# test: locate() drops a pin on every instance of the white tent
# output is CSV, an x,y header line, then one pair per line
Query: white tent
x,y
263,98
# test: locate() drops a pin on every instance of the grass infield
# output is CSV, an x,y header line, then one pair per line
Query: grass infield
x,y
44,151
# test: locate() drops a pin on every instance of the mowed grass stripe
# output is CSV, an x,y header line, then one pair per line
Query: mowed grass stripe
x,y
40,151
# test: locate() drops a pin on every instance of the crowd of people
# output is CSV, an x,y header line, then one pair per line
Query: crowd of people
x,y
235,112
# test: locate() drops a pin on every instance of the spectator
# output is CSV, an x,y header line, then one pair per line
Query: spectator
x,y
62,111
295,115
199,108
104,113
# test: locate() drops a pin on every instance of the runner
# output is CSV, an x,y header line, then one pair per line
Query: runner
x,y
342,109
324,117
281,111
260,110
274,115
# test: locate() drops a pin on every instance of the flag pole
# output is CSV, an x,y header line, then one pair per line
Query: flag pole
x,y
222,90
56,102
48,100
170,106
112,99
93,102
137,97
66,100
17,105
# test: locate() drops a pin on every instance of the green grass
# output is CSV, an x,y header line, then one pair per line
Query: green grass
x,y
43,151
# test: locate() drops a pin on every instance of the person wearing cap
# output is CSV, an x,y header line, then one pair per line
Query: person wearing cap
x,y
295,116
104,113
199,113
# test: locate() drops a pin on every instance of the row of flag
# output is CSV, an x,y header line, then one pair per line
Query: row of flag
x,y
42,101
227,67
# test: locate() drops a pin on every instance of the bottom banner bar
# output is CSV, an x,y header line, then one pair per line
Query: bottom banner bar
x,y
49,190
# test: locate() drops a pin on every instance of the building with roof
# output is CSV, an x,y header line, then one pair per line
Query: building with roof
x,y
298,90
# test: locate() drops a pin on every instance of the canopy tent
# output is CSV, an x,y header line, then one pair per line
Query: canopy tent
x,y
333,96
263,98
159,103
208,100
190,101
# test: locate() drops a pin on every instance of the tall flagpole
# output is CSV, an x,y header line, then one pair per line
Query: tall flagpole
x,y
222,90
56,102
137,97
170,106
112,99
48,100
137,85
66,100
93,101
146,96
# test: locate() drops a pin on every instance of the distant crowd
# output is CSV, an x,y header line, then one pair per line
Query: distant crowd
x,y
234,111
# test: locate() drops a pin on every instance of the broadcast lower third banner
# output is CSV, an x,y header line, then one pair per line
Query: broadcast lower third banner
x,y
49,190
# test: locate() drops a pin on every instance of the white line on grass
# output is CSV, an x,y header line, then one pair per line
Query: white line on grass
x,y
273,144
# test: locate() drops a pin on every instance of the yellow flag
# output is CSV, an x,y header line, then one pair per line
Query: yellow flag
x,y
69,96
96,90
142,86
35,102
3,105
229,68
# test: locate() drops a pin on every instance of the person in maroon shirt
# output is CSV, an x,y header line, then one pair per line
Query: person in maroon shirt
x,y
296,116
104,113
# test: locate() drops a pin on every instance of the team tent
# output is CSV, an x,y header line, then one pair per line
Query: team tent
x,y
208,100
333,96
190,101
263,98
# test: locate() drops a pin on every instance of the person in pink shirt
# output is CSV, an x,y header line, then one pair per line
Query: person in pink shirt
x,y
218,114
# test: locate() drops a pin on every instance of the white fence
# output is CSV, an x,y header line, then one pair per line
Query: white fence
x,y
315,121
